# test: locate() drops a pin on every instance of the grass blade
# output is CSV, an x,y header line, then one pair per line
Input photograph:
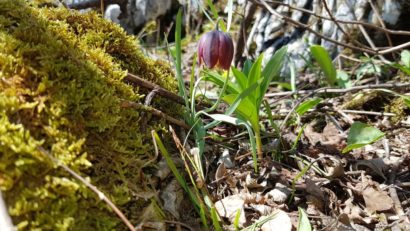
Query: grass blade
x,y
178,62
215,220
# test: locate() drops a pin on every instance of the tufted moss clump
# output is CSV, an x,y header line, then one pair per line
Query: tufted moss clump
x,y
61,89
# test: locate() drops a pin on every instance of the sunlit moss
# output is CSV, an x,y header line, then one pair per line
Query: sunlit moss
x,y
61,89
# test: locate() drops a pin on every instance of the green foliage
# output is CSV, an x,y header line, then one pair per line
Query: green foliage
x,y
404,66
253,76
308,104
361,134
61,89
325,62
303,224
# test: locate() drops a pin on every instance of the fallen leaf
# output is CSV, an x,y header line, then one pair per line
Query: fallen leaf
x,y
376,200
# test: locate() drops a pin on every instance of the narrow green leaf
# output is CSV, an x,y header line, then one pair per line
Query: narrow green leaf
x,y
255,75
405,58
240,78
178,63
325,62
308,104
236,220
361,134
173,168
255,72
245,108
215,220
270,71
292,68
304,224
247,67
270,118
244,94
219,80
402,68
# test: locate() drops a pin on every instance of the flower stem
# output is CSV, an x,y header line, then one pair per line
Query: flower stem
x,y
221,94
258,143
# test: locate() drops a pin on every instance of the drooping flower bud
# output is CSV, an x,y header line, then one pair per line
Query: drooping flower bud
x,y
215,48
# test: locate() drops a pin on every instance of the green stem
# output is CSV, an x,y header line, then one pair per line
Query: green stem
x,y
220,95
258,142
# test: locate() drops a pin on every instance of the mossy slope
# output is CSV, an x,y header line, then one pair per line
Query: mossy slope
x,y
61,89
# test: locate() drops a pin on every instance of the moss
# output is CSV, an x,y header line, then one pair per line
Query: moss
x,y
61,89
366,101
399,108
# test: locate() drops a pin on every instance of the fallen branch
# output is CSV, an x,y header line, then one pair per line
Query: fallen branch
x,y
140,82
156,112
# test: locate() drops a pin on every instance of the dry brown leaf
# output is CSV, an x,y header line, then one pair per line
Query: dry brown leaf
x,y
251,182
333,166
220,172
376,200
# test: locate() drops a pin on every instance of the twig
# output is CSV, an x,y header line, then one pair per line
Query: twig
x,y
393,49
379,18
147,102
389,31
346,118
369,113
156,112
138,81
5,221
371,43
306,27
326,90
329,12
90,186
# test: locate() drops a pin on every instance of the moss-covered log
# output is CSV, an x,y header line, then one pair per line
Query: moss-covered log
x,y
61,88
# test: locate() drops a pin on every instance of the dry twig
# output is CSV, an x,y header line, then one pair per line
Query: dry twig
x,y
370,25
156,112
376,51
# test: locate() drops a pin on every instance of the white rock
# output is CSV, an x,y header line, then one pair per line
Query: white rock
x,y
229,206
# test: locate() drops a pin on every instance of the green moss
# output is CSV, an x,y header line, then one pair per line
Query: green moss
x,y
399,108
61,89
